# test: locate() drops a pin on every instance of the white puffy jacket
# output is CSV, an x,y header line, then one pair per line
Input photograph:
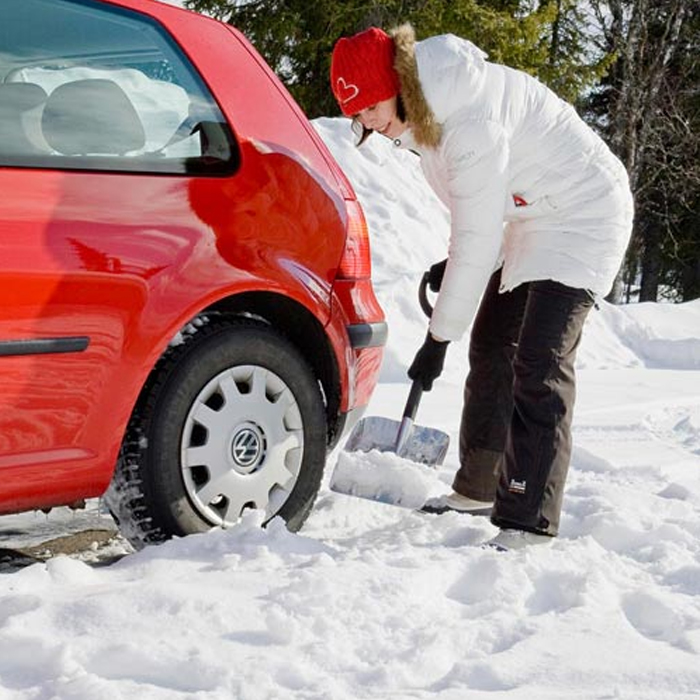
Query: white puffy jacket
x,y
510,151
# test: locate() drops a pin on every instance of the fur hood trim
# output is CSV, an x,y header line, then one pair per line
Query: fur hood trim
x,y
425,128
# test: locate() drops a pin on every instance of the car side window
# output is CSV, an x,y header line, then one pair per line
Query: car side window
x,y
88,86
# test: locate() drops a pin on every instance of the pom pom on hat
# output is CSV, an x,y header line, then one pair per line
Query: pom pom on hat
x,y
362,70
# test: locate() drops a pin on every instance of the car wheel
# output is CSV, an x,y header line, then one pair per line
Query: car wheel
x,y
234,419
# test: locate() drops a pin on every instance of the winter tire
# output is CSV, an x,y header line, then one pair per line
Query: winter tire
x,y
233,420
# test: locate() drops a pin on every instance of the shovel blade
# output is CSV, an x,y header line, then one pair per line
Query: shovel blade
x,y
424,445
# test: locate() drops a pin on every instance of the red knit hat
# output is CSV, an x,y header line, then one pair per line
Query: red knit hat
x,y
362,70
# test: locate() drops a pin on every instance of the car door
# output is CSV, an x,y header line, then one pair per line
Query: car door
x,y
103,122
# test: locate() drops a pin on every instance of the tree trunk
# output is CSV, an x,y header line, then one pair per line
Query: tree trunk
x,y
690,287
651,266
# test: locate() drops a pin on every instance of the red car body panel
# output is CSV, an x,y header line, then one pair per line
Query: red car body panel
x,y
125,260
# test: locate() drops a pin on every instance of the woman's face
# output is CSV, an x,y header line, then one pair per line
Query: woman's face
x,y
382,118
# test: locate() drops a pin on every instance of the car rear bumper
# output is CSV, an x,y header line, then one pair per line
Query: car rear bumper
x,y
368,335
358,333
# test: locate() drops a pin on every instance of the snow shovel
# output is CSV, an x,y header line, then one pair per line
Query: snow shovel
x,y
413,442
410,442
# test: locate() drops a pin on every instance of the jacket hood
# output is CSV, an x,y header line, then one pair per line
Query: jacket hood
x,y
424,126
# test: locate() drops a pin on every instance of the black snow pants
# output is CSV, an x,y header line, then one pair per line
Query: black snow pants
x,y
515,436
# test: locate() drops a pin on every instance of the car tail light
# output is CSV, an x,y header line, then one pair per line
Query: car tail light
x,y
356,262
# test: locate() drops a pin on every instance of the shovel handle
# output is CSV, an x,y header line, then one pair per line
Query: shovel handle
x,y
423,295
409,413
413,400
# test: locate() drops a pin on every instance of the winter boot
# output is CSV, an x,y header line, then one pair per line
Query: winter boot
x,y
507,540
457,502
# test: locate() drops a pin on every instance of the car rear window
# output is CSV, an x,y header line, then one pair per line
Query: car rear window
x,y
88,86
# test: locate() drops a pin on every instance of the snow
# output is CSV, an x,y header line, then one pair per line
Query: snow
x,y
383,476
373,600
161,106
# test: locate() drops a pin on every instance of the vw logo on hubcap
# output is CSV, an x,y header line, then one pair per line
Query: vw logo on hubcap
x,y
246,447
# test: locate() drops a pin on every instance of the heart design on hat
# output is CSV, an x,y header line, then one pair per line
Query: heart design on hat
x,y
346,91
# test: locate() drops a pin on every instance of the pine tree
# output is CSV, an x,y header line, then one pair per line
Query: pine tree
x,y
644,107
297,37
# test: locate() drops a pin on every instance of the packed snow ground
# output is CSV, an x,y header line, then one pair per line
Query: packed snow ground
x,y
375,601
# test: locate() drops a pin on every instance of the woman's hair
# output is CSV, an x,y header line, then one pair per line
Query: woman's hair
x,y
363,133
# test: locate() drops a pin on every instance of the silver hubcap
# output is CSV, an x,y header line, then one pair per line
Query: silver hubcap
x,y
242,445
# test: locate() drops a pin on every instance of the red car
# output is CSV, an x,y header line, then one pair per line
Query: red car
x,y
187,313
